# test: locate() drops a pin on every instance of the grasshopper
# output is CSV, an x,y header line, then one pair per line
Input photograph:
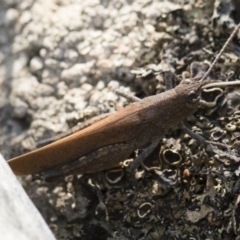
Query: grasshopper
x,y
140,125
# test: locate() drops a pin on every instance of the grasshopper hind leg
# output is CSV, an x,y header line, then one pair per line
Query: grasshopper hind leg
x,y
101,159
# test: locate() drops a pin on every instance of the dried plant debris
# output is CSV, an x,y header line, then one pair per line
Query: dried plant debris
x,y
60,62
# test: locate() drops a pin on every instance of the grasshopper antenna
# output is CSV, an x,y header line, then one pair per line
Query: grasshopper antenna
x,y
221,52
221,84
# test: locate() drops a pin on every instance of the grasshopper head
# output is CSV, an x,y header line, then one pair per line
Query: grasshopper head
x,y
188,96
189,90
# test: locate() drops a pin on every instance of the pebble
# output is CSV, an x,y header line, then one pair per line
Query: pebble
x,y
20,108
36,64
25,18
51,63
100,85
45,90
11,16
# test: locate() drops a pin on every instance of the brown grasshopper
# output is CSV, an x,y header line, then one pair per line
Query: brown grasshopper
x,y
106,143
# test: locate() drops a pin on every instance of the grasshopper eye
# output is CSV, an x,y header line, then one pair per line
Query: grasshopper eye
x,y
192,97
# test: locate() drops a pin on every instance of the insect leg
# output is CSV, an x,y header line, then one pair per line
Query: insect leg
x,y
147,151
101,159
101,206
137,162
129,97
170,79
200,138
